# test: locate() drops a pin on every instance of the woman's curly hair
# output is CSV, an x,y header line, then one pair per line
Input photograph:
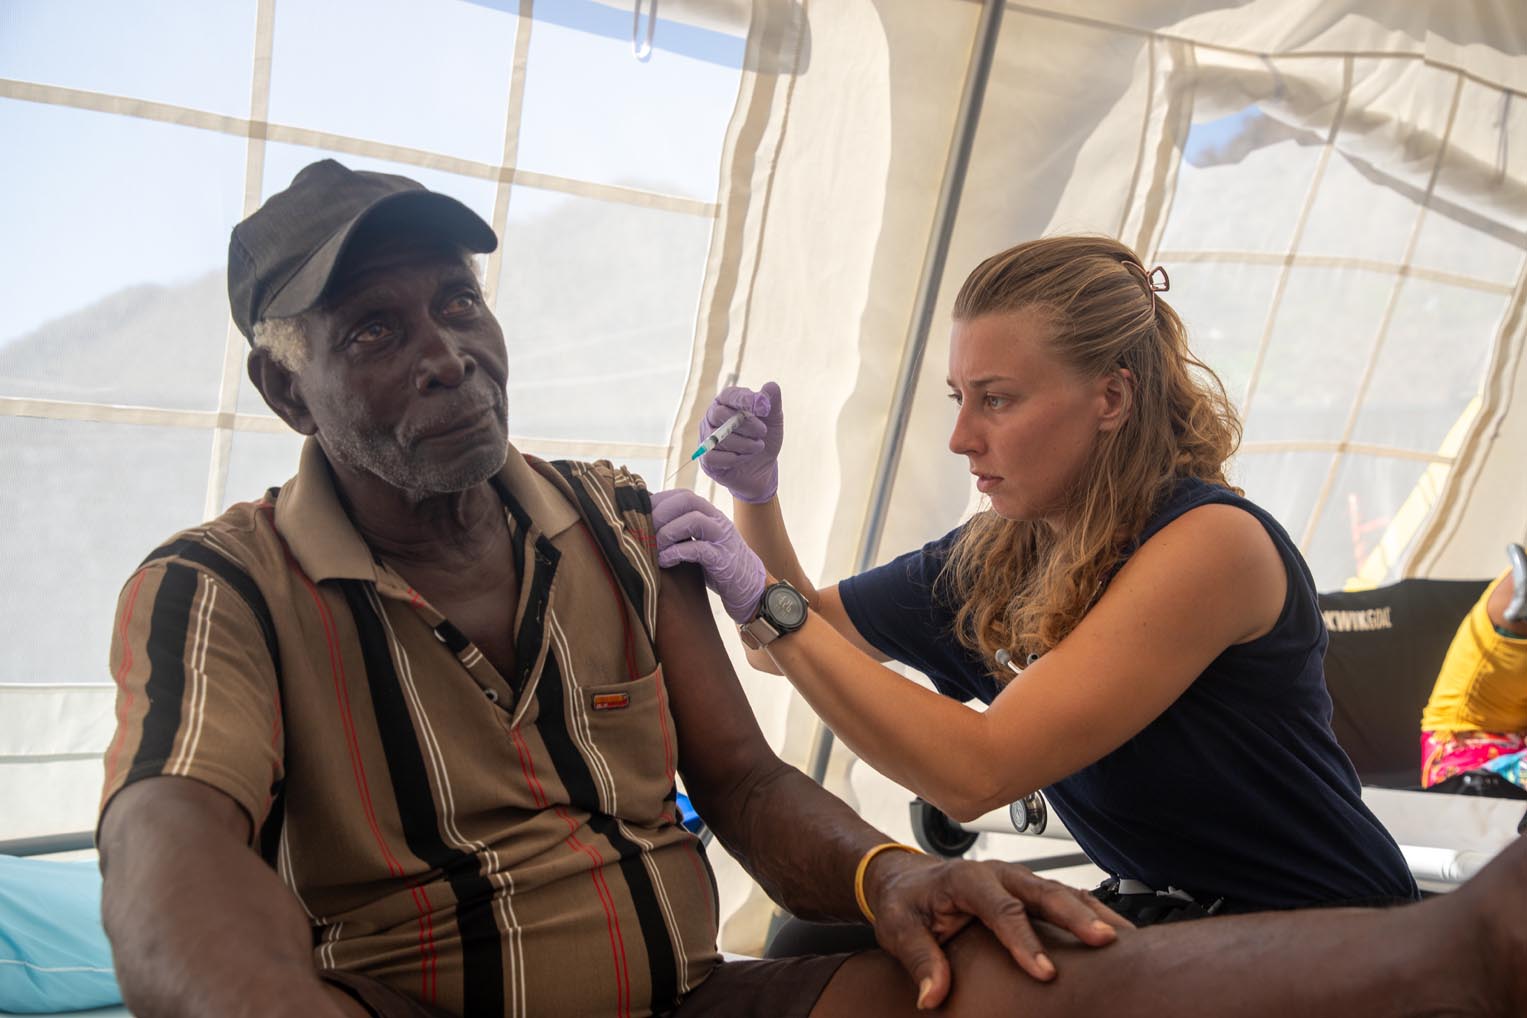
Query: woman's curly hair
x,y
1021,584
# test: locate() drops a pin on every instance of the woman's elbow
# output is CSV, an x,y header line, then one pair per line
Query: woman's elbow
x,y
960,812
970,801
963,808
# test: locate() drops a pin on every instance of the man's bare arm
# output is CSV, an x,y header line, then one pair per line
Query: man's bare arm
x,y
199,925
797,840
802,844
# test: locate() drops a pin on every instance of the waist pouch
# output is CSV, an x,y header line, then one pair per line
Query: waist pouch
x,y
1145,907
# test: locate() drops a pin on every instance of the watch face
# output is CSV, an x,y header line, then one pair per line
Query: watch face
x,y
785,606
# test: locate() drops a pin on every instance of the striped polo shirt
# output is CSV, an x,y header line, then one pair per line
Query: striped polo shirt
x,y
490,844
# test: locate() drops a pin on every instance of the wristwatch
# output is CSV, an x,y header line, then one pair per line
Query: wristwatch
x,y
781,610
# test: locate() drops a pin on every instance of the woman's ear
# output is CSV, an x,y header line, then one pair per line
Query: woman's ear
x,y
1118,395
278,384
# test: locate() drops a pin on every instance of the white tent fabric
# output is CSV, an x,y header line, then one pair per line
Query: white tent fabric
x,y
1333,188
1337,187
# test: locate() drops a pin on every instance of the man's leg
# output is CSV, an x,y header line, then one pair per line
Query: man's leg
x,y
377,998
1459,954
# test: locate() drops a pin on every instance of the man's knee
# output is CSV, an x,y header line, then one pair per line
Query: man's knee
x,y
985,980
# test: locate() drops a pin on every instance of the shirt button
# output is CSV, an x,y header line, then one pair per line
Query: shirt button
x,y
491,694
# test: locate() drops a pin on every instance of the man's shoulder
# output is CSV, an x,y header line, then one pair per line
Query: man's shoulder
x,y
599,486
238,544
615,507
602,471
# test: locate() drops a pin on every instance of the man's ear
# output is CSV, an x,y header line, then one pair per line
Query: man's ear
x,y
1118,394
278,384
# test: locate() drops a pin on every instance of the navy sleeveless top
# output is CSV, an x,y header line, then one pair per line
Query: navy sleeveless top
x,y
1238,790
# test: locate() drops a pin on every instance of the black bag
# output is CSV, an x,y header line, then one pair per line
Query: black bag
x,y
1152,908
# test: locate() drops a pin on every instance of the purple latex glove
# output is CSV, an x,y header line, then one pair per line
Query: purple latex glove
x,y
746,462
690,529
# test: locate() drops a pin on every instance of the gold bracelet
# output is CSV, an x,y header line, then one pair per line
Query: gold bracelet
x,y
864,864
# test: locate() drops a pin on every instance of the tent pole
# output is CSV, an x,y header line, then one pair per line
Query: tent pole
x,y
983,51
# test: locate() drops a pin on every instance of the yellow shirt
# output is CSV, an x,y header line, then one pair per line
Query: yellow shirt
x,y
1482,685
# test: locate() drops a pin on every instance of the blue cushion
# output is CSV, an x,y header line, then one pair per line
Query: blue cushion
x,y
53,951
689,819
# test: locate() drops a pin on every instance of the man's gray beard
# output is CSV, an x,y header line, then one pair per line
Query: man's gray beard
x,y
380,453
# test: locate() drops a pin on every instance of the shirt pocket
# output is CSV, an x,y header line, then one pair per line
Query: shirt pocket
x,y
630,747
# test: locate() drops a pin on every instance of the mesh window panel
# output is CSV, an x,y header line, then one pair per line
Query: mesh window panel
x,y
426,74
83,504
597,301
1482,246
594,112
192,53
1386,150
1476,223
1245,160
258,461
1320,344
1224,305
1284,483
1359,213
1367,515
1431,367
116,235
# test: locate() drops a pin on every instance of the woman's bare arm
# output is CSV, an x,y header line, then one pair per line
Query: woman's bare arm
x,y
762,526
1172,609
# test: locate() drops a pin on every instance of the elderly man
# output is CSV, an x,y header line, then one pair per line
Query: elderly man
x,y
401,738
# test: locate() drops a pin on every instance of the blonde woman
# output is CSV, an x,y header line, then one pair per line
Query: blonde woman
x,y
1171,700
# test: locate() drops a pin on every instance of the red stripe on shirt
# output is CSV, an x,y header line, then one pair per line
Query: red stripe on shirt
x,y
126,703
538,794
611,920
428,959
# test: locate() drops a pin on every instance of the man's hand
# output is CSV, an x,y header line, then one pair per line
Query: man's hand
x,y
919,904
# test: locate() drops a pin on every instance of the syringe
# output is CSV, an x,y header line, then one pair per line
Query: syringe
x,y
714,439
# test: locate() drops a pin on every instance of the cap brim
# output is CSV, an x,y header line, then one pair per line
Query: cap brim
x,y
425,212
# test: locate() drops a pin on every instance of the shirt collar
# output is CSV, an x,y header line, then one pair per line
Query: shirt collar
x,y
313,522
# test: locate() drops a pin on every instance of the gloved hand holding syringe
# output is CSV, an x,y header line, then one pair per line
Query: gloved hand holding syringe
x,y
740,438
712,440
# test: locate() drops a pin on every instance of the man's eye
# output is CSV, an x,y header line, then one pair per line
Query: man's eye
x,y
995,402
371,332
954,398
462,303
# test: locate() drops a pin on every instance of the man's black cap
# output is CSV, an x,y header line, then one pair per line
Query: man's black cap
x,y
280,259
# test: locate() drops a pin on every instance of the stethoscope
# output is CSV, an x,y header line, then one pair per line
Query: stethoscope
x,y
1029,815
